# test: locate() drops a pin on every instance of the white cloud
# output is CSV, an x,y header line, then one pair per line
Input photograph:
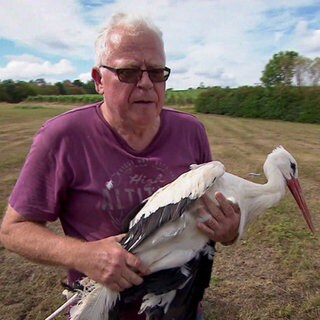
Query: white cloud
x,y
210,41
309,42
84,77
27,67
51,26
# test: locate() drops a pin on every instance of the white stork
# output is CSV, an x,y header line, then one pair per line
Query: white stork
x,y
165,236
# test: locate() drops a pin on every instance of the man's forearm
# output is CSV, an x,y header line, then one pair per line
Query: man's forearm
x,y
105,260
36,242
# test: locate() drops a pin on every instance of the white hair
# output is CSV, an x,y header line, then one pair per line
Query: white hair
x,y
109,34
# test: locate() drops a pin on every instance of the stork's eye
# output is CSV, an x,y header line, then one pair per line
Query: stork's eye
x,y
293,167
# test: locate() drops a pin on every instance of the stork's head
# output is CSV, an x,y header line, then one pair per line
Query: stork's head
x,y
280,159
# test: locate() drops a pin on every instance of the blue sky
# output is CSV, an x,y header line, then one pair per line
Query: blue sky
x,y
214,42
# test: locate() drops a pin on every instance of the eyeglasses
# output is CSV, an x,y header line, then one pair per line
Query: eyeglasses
x,y
132,75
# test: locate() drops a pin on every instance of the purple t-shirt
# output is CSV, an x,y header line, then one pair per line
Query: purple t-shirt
x,y
79,170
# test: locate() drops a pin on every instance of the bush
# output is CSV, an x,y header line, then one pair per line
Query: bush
x,y
287,103
76,99
181,97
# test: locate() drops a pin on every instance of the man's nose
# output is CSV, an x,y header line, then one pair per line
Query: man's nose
x,y
145,80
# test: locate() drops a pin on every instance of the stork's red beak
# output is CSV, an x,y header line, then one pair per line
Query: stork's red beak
x,y
296,190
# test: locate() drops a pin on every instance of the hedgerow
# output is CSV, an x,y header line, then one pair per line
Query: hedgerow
x,y
289,103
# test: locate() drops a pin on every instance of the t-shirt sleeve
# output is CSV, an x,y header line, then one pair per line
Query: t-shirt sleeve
x,y
205,151
42,183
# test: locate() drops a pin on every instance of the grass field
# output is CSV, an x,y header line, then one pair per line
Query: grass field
x,y
273,273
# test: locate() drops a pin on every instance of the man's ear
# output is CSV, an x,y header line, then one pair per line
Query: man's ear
x,y
97,78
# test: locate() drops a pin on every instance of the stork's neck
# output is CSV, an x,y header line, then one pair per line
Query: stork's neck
x,y
276,181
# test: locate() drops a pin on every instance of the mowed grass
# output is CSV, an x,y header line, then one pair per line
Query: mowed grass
x,y
273,273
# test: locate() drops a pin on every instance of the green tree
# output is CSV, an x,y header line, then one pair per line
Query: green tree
x,y
89,87
14,92
78,83
315,71
302,70
3,93
61,88
280,69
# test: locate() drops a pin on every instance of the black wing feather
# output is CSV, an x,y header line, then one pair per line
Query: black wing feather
x,y
185,304
146,226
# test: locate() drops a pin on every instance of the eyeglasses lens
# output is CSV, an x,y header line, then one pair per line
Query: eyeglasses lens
x,y
134,75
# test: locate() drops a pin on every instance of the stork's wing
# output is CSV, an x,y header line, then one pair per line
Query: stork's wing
x,y
189,289
146,226
125,224
169,202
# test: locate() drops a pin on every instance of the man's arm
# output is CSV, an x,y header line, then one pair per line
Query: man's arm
x,y
104,260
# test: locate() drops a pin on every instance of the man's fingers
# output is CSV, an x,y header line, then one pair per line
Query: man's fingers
x,y
127,275
119,237
209,231
235,207
212,208
137,265
227,207
131,278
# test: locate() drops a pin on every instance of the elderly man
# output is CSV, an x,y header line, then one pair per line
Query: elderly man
x,y
90,166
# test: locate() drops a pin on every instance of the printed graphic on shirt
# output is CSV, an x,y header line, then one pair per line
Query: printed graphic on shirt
x,y
132,183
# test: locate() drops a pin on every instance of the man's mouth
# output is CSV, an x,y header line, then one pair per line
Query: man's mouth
x,y
143,102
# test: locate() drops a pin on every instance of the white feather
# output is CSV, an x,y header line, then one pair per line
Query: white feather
x,y
162,300
94,304
192,184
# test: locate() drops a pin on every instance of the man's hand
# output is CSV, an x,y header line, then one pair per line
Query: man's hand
x,y
220,222
108,263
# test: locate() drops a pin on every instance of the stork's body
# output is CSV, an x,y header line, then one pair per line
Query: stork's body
x,y
164,233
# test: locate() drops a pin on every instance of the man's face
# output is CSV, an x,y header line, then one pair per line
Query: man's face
x,y
134,104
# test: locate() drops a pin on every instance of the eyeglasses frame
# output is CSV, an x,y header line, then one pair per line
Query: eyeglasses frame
x,y
118,70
